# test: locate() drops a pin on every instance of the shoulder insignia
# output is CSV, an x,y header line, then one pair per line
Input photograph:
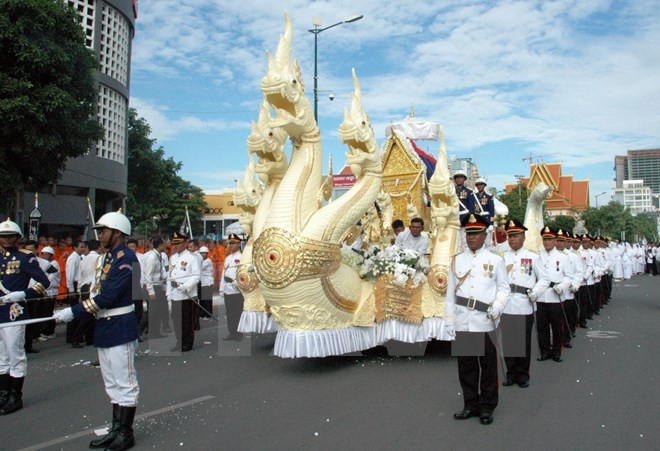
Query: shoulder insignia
x,y
25,251
120,254
533,252
494,251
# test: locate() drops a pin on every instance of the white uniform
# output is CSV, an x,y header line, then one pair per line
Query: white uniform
x,y
482,276
185,270
525,270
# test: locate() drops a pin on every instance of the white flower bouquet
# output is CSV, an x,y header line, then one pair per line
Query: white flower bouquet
x,y
402,264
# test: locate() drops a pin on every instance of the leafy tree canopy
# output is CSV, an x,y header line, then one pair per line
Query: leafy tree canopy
x,y
157,195
47,93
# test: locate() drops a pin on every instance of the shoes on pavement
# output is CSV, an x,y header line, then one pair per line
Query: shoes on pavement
x,y
508,382
486,418
32,351
541,358
77,345
523,384
557,358
465,414
568,345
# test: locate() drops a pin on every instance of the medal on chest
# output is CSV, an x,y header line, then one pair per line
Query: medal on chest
x,y
488,269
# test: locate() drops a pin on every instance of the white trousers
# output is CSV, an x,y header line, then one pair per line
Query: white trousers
x,y
119,374
12,351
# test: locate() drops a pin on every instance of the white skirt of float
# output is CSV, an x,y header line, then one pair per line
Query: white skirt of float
x,y
431,328
257,323
323,343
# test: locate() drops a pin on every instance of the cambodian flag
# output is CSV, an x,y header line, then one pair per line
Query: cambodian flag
x,y
428,159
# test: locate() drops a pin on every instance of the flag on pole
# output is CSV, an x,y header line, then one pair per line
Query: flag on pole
x,y
187,219
428,159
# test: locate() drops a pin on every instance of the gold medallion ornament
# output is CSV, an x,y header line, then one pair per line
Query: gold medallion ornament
x,y
396,302
437,278
280,258
247,281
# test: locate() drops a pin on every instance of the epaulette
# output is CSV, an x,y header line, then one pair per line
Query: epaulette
x,y
120,254
496,252
25,251
533,252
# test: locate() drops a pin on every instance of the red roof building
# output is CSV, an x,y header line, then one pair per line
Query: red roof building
x,y
567,198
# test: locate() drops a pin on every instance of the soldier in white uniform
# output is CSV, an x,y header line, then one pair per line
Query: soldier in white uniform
x,y
584,294
477,293
233,297
568,298
184,275
549,316
527,280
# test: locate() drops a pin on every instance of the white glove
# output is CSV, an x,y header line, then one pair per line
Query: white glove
x,y
532,296
495,311
557,289
64,315
574,289
14,296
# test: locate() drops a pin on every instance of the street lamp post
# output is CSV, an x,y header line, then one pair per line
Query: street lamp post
x,y
598,195
315,31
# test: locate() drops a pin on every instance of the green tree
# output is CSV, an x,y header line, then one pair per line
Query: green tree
x,y
516,201
561,222
47,94
157,196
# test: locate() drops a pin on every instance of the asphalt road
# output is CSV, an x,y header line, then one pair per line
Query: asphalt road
x,y
603,396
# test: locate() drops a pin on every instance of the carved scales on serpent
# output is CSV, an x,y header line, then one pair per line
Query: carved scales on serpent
x,y
292,274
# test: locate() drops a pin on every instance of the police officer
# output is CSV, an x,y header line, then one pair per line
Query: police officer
x,y
484,204
115,332
183,277
16,270
465,198
549,316
477,293
527,279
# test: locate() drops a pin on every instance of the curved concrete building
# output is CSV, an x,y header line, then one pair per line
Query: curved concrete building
x,y
101,175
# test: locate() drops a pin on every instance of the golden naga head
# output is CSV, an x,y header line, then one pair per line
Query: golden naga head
x,y
358,134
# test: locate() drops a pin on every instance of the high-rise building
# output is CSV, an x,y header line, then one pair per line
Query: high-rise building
x,y
643,164
635,196
100,175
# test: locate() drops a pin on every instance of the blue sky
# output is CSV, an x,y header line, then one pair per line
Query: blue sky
x,y
571,81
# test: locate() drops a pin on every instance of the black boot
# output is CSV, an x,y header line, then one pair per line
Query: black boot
x,y
15,401
125,438
5,387
112,433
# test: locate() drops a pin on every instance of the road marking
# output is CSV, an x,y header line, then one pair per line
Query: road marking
x,y
90,431
603,334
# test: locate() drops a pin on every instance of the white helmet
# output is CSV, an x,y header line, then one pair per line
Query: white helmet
x,y
480,180
48,250
203,249
460,173
114,220
10,228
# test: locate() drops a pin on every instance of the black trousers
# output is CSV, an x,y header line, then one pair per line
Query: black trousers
x,y
206,300
234,309
46,309
550,320
157,313
478,376
514,329
571,310
583,297
183,317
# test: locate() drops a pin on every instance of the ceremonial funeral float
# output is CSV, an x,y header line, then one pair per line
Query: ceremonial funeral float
x,y
294,275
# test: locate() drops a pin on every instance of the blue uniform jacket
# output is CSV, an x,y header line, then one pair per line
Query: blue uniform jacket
x,y
467,199
487,205
16,270
113,290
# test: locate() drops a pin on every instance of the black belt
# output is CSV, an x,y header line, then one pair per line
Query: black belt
x,y
472,304
518,289
552,284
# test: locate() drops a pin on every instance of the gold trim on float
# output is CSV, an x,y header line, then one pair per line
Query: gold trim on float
x,y
247,281
281,258
398,303
343,304
438,278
